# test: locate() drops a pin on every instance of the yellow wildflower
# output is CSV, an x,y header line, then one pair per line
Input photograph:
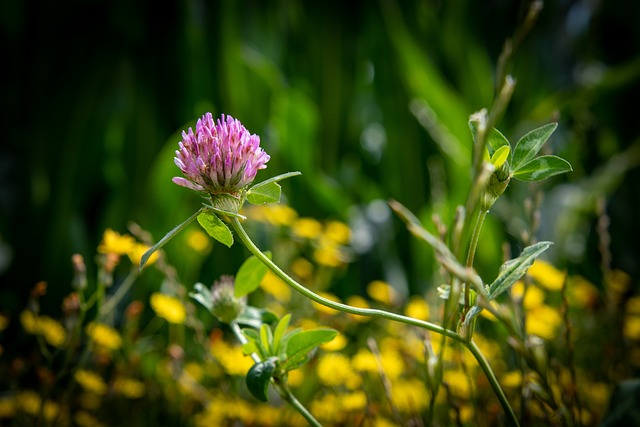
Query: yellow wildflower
x,y
633,305
336,344
546,275
302,268
328,409
195,370
631,328
7,407
31,403
136,252
85,419
364,361
542,321
358,302
618,282
417,308
382,292
334,369
307,228
322,308
512,379
52,330
279,214
409,396
231,359
4,322
581,292
168,307
338,232
383,422
534,297
129,387
295,378
329,254
458,382
115,243
274,285
198,241
104,336
29,322
90,381
355,401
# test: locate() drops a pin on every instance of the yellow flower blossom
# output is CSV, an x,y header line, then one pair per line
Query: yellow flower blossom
x,y
322,308
129,387
90,381
336,344
7,407
355,401
51,330
295,378
328,409
459,383
358,302
546,275
4,322
633,305
31,403
115,243
198,241
383,422
542,321
307,228
631,328
302,268
364,361
417,308
231,359
335,370
85,419
29,322
409,396
104,336
274,285
338,232
328,254
168,307
512,379
581,292
278,214
618,282
195,370
533,298
136,252
382,292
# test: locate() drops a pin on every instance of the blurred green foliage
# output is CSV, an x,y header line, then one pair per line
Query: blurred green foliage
x,y
368,99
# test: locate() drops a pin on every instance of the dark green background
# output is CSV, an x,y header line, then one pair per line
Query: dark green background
x,y
95,93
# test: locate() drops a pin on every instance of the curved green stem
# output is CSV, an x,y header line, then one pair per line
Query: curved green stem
x,y
122,290
473,348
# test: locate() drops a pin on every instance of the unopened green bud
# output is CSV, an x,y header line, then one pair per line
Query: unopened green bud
x,y
225,306
497,184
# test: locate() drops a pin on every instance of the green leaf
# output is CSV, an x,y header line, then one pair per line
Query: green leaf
x,y
500,156
249,276
170,235
202,294
254,317
266,338
529,145
302,342
216,228
512,270
541,168
495,139
264,193
279,333
259,376
253,337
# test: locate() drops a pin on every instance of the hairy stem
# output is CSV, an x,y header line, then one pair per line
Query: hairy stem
x,y
472,253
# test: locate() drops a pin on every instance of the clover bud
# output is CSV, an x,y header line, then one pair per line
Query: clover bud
x,y
225,306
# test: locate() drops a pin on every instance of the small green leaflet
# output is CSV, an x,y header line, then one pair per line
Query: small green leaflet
x,y
495,139
530,144
500,156
268,191
259,376
541,168
215,227
202,294
302,342
249,276
254,317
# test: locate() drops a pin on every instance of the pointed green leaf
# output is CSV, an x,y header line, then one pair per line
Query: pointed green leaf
x,y
266,338
541,168
264,193
170,235
276,178
253,336
249,276
279,332
255,317
500,156
215,227
529,145
202,294
258,378
303,342
512,270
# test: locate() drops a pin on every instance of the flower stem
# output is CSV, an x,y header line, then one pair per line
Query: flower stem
x,y
122,290
473,348
473,245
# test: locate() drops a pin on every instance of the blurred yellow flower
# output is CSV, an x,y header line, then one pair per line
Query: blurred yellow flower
x,y
136,252
7,406
633,305
115,243
198,241
85,419
336,344
542,321
512,379
631,328
417,308
581,292
104,336
295,378
338,232
277,214
364,361
546,275
534,297
334,370
168,307
382,292
329,254
409,396
4,322
51,330
129,387
302,268
274,285
617,281
31,403
355,401
195,370
358,302
231,359
90,381
307,228
459,383
383,422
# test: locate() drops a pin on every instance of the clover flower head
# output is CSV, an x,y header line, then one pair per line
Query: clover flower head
x,y
221,157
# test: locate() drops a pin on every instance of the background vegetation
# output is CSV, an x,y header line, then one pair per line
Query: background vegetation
x,y
369,100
